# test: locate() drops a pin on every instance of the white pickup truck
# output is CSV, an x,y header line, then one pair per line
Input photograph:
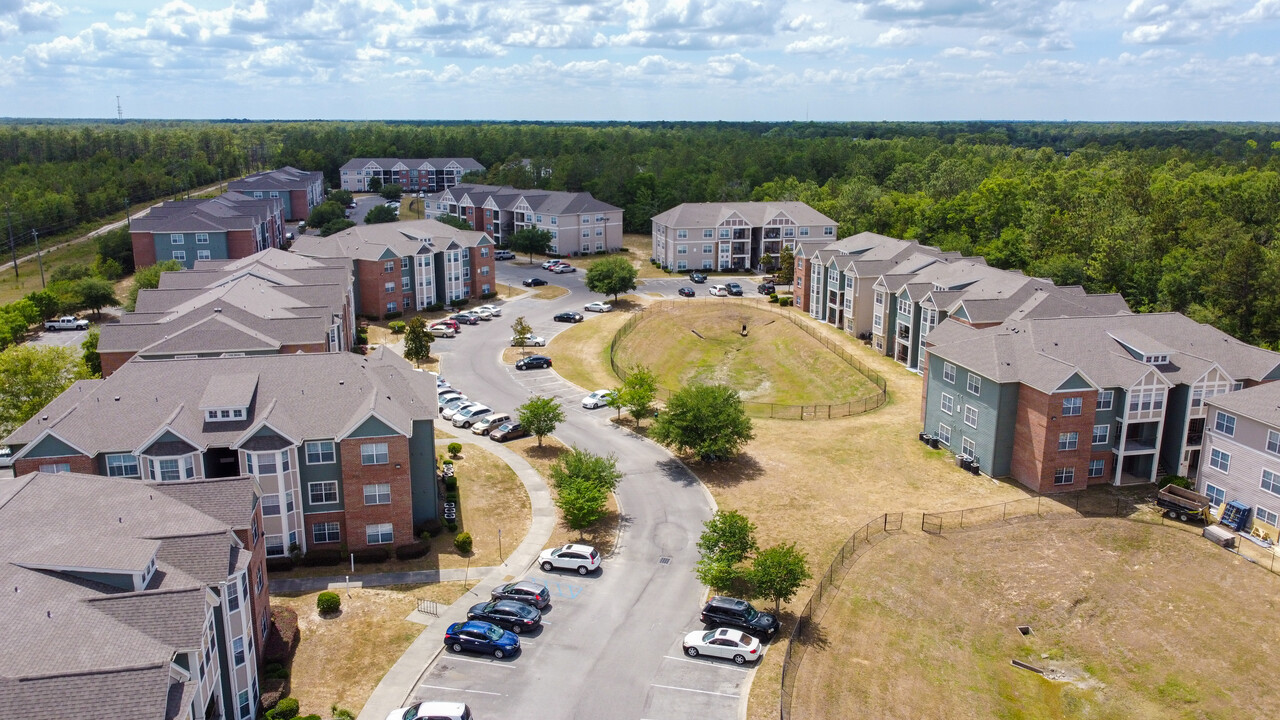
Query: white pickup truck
x,y
66,322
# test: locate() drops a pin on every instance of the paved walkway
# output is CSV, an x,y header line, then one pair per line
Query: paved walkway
x,y
414,577
401,680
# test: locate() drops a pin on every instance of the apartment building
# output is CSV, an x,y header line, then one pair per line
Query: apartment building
x,y
578,223
425,174
130,598
735,235
299,190
1240,460
409,265
1062,403
341,444
228,227
270,302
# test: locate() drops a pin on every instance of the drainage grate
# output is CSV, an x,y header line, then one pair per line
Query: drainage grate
x,y
664,561
1024,629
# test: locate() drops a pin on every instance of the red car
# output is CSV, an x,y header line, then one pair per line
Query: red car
x,y
448,321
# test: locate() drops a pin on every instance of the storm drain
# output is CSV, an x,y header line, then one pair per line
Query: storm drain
x,y
664,561
1024,629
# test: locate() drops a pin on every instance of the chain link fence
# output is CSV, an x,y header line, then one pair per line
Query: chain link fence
x,y
781,411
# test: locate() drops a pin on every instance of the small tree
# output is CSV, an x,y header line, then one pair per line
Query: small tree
x,y
708,420
463,543
375,184
380,214
581,504
328,602
92,359
32,376
417,341
530,240
585,466
342,197
727,540
324,213
638,392
96,293
611,276
455,448
391,191
522,333
146,278
778,572
786,266
454,221
540,416
336,226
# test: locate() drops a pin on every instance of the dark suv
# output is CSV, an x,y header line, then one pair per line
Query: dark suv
x,y
734,289
732,612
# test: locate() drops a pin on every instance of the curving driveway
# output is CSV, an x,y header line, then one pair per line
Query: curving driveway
x,y
611,645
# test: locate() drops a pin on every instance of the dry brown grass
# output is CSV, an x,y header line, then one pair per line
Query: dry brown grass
x,y
1138,618
508,292
550,292
341,660
604,533
581,353
512,354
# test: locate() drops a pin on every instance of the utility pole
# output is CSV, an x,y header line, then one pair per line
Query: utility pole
x,y
128,221
12,251
39,260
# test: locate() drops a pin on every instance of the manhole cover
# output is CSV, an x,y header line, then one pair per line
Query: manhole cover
x,y
664,561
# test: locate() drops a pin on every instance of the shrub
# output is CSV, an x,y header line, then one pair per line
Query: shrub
x,y
784,301
489,295
1176,480
447,461
282,635
437,307
425,537
459,302
341,713
276,671
451,496
412,550
279,564
286,709
451,483
427,528
451,526
463,542
371,555
328,602
773,297
273,691
396,327
455,448
321,557
392,315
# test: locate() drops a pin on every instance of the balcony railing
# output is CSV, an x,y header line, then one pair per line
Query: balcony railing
x,y
1195,438
1139,444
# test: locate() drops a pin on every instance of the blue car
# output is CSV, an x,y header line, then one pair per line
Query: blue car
x,y
482,637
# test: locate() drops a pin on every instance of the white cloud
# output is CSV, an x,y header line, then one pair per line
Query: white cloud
x,y
816,45
897,37
28,16
1018,48
1057,42
966,53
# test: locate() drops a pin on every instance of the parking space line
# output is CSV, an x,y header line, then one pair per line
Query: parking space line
x,y
477,692
481,662
707,663
704,692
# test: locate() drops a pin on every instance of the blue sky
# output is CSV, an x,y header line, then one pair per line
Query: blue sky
x,y
642,59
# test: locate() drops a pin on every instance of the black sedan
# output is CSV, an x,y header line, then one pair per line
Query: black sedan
x,y
569,317
533,362
533,282
698,278
509,614
686,292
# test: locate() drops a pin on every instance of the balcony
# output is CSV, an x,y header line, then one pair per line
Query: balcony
x,y
1195,439
1138,444
904,332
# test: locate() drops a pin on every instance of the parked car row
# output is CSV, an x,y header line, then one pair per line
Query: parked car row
x,y
478,417
452,325
736,627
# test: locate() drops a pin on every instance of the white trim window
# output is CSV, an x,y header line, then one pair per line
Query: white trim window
x,y
975,384
949,372
968,447
180,255
122,465
1265,516
374,454
275,545
944,434
1224,423
1072,406
1273,442
54,468
323,493
1097,467
1105,399
270,504
1219,460
1101,434
971,416
237,651
1068,441
1216,495
242,704
326,532
1270,482
377,494
379,534
321,452
203,255
1064,476
948,404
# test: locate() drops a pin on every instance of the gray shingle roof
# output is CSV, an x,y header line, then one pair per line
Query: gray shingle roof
x,y
229,211
1261,402
171,617
467,164
389,240
285,178
551,202
756,214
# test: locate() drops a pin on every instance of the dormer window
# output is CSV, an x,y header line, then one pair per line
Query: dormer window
x,y
224,414
1155,359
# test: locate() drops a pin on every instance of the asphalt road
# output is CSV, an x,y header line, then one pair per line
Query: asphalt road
x,y
611,645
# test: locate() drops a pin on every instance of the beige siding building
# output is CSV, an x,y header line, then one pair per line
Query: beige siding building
x,y
734,236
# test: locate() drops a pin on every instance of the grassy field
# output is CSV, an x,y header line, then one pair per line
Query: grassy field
x,y
775,362
341,660
28,279
1132,620
492,498
603,534
581,353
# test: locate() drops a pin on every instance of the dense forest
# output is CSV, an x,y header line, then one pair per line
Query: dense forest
x,y
1175,216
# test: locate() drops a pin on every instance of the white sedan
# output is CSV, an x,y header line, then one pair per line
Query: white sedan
x,y
726,643
719,291
483,314
599,398
597,307
493,310
442,331
531,341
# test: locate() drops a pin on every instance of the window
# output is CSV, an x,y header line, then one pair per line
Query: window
x,y
1101,434
707,233
1264,515
202,238
1105,398
242,703
379,494
373,454
1068,441
203,255
828,231
323,493
804,232
680,234
1217,495
1273,442
949,372
1220,460
56,468
393,306
944,434
266,463
320,452
271,504
1097,467
233,597
1064,476
288,501
971,416
968,447
682,249
176,469
1071,406
682,265
258,582
389,287
724,233
176,239
179,255
275,545
1225,424
237,650
975,384
1271,482
325,532
122,465
389,266
379,534
708,249
947,402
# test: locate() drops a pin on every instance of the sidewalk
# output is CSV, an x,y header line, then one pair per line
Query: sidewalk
x,y
398,685
340,582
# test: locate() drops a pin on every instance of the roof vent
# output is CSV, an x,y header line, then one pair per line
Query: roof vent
x,y
217,309
117,398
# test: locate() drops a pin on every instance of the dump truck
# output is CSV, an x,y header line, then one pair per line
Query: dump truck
x,y
1183,504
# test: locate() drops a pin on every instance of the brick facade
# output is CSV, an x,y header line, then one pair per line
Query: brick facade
x,y
319,518
395,472
79,464
1040,421
372,278
259,601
